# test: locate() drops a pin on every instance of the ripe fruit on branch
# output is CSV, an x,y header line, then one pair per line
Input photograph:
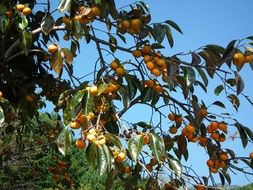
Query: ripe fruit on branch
x,y
114,65
95,11
20,7
238,59
124,25
52,48
80,144
146,49
27,11
120,157
135,24
75,125
136,53
171,116
120,71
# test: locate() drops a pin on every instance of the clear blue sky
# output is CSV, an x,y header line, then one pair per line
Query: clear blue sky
x,y
202,22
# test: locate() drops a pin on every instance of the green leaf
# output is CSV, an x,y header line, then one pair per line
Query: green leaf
x,y
234,100
1,116
3,9
229,51
174,25
132,86
157,146
64,141
239,83
189,76
146,95
220,104
135,145
231,81
104,159
195,59
143,125
222,179
76,100
218,90
124,97
47,23
159,32
88,103
176,166
169,35
56,62
144,5
64,5
202,75
26,41
92,155
114,140
22,22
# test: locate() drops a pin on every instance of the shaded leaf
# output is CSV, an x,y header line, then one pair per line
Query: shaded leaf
x,y
174,25
112,127
239,83
234,100
135,145
92,155
146,95
144,125
220,104
218,90
202,75
47,23
26,41
169,35
76,100
195,59
159,32
229,51
242,133
114,140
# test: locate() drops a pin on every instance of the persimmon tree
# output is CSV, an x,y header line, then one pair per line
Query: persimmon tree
x,y
36,68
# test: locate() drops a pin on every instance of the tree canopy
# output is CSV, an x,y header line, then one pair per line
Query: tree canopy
x,y
39,149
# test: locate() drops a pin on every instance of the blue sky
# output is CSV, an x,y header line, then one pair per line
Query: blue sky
x,y
202,22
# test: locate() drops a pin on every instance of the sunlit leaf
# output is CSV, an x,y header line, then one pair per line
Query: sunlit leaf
x,y
176,166
22,22
157,146
64,141
104,159
47,23
77,98
1,116
64,5
135,145
67,55
56,62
